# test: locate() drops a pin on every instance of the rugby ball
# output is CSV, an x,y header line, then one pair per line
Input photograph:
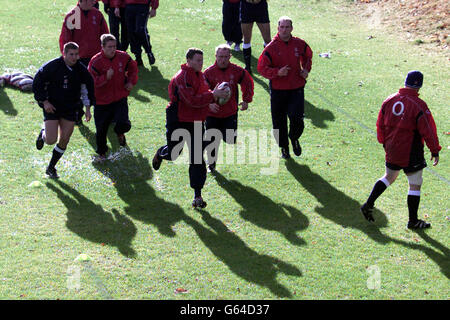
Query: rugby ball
x,y
226,86
25,84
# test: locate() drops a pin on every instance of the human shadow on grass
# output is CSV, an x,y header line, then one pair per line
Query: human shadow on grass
x,y
442,258
264,212
343,210
246,263
336,205
152,82
6,105
318,116
130,173
91,222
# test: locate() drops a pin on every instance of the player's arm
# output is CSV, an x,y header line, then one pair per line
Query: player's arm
x,y
100,78
247,88
306,62
40,85
265,67
429,135
380,126
188,92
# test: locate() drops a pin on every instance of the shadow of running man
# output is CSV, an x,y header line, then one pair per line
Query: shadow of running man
x,y
241,260
130,173
442,258
153,83
6,105
343,210
318,116
265,213
336,205
88,220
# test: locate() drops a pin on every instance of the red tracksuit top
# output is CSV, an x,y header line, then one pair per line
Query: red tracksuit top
x,y
189,93
120,3
402,118
86,32
234,75
116,3
125,70
296,53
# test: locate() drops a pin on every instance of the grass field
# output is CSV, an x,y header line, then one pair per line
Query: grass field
x,y
293,234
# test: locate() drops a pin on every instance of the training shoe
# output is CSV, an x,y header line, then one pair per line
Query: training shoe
x,y
51,172
367,212
237,47
139,61
151,58
40,140
285,153
296,148
122,140
419,224
199,203
157,160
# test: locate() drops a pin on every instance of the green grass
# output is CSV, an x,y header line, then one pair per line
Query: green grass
x,y
297,234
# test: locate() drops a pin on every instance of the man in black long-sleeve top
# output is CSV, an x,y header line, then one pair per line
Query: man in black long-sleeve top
x,y
57,87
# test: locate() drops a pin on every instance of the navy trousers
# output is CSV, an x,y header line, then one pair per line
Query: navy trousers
x,y
286,104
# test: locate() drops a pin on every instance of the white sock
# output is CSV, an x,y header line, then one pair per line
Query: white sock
x,y
384,180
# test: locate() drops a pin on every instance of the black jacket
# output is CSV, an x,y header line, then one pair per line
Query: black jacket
x,y
61,85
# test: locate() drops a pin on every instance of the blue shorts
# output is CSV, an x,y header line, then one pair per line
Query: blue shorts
x,y
257,12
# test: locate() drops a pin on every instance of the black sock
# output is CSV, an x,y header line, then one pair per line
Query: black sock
x,y
247,53
377,190
413,205
198,192
57,154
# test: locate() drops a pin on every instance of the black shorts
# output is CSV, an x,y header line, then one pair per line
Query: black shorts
x,y
227,126
254,12
409,169
70,114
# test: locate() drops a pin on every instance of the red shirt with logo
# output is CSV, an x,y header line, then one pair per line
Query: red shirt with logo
x,y
85,29
404,123
189,93
295,53
112,90
234,75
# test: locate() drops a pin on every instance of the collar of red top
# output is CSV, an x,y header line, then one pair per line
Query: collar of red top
x,y
409,91
277,38
215,65
104,56
187,68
